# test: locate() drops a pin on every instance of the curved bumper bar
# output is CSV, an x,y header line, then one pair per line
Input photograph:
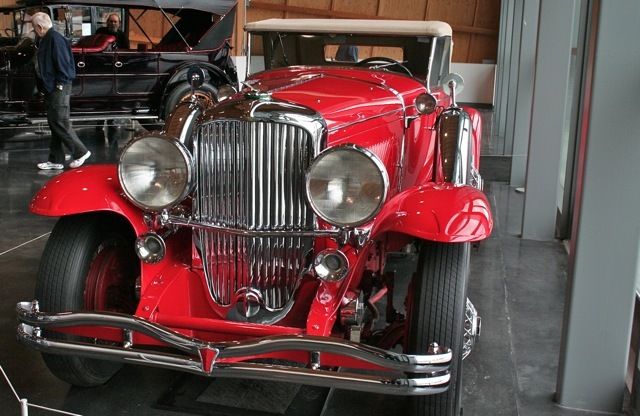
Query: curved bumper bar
x,y
429,373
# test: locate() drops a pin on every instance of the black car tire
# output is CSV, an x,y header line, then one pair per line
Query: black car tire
x,y
182,91
436,314
81,251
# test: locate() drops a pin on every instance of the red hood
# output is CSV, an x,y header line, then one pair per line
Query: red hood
x,y
342,96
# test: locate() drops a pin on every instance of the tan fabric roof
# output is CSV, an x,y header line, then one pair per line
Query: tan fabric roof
x,y
362,27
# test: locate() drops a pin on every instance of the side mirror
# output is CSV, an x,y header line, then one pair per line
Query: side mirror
x,y
453,84
195,77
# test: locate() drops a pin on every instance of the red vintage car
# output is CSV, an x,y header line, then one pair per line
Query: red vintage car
x,y
250,237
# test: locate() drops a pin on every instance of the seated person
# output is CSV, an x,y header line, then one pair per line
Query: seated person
x,y
347,53
113,28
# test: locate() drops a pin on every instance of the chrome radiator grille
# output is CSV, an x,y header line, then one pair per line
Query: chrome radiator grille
x,y
250,176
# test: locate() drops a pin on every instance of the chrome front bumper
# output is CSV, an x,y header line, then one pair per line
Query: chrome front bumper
x,y
404,374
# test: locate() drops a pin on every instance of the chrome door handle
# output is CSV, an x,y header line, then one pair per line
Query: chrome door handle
x,y
81,64
118,64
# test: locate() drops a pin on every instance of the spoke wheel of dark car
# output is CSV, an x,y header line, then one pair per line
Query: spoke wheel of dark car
x,y
88,264
383,63
182,91
436,312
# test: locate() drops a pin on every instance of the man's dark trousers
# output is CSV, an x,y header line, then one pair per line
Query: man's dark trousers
x,y
61,131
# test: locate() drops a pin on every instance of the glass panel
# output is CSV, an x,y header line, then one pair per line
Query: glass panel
x,y
352,53
72,21
23,21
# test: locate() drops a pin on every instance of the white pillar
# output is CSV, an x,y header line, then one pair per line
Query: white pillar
x,y
555,28
605,245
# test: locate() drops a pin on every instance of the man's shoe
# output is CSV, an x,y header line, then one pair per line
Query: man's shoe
x,y
78,162
50,166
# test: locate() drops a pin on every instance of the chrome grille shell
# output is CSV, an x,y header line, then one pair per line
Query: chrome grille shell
x,y
251,157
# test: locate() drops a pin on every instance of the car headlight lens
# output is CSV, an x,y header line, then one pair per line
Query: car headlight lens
x,y
347,185
155,172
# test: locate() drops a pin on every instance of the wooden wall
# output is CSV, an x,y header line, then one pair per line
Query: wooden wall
x,y
475,23
5,20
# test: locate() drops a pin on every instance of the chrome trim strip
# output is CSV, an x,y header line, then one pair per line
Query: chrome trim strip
x,y
364,120
127,116
432,368
388,359
464,153
432,54
167,219
400,386
461,172
247,46
271,110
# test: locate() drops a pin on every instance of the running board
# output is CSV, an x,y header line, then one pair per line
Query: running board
x,y
9,120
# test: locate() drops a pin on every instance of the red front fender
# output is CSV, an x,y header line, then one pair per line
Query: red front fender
x,y
89,189
444,213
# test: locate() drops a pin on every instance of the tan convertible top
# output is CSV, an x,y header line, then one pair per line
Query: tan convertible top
x,y
355,26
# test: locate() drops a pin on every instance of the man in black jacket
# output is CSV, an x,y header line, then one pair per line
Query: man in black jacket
x,y
113,28
55,68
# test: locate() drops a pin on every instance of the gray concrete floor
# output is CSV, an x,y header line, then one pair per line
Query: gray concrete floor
x,y
517,286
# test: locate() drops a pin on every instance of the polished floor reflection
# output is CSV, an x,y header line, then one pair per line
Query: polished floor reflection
x,y
517,286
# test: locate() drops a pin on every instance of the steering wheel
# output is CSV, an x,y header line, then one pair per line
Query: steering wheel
x,y
386,62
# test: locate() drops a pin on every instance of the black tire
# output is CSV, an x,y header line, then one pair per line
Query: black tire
x,y
80,250
182,91
436,314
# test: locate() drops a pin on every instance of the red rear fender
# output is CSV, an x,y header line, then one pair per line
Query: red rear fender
x,y
88,189
444,213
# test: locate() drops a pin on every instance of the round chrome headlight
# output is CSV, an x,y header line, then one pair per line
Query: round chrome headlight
x,y
347,185
156,172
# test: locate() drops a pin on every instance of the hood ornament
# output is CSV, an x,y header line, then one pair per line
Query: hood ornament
x,y
255,94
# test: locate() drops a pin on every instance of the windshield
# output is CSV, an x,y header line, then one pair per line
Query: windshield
x,y
271,50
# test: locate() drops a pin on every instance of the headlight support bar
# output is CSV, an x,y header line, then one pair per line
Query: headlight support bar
x,y
167,219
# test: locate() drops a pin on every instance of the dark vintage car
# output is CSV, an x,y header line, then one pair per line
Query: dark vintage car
x,y
113,81
252,237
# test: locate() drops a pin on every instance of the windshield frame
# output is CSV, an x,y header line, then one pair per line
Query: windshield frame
x,y
428,57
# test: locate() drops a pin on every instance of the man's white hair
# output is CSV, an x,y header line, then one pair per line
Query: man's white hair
x,y
41,19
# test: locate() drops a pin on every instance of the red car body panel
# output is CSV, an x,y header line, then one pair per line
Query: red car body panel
x,y
444,213
88,189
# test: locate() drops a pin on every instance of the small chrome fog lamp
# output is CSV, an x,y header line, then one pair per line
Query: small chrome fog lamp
x,y
331,265
150,248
